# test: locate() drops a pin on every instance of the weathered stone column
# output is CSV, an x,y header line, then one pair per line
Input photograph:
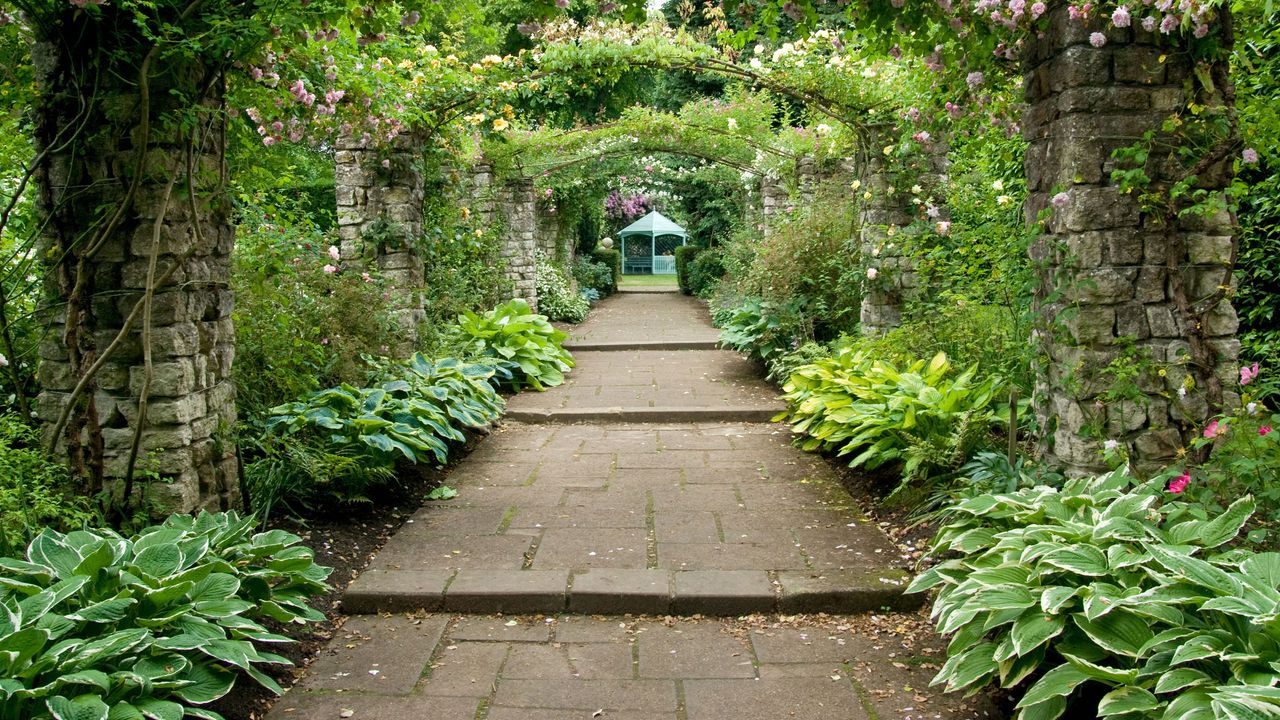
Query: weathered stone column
x,y
116,228
1113,277
553,239
512,206
380,207
886,230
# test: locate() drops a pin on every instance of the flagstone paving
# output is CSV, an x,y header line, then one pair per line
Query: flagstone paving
x,y
668,568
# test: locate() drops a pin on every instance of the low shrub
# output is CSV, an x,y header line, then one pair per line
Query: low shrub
x,y
411,417
854,404
705,272
685,255
593,275
300,327
157,625
35,491
613,259
1104,599
556,297
520,341
760,328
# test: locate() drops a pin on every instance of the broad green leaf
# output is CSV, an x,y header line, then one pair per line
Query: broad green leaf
x,y
1058,682
1194,570
1127,699
207,683
1080,559
968,668
156,709
1181,678
1119,632
83,707
1034,628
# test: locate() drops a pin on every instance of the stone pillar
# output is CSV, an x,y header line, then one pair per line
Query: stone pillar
x,y
1113,277
887,228
553,239
512,206
380,207
99,273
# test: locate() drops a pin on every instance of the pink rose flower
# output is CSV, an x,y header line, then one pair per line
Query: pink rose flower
x,y
1178,484
330,269
1261,431
1248,374
1214,429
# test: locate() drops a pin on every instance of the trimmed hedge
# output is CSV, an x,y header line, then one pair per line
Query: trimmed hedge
x,y
612,258
704,272
684,256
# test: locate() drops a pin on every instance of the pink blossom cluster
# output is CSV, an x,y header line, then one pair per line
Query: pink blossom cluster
x,y
1165,16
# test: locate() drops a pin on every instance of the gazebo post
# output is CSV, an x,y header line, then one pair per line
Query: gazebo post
x,y
653,252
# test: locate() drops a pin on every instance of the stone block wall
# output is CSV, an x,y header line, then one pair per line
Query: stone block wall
x,y
554,240
884,233
513,206
1111,277
380,211
187,440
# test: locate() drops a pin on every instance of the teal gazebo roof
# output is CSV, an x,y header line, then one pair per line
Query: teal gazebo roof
x,y
654,224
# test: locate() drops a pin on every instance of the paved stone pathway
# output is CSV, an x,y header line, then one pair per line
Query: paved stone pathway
x,y
677,499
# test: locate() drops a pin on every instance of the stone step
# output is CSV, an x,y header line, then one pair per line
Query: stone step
x,y
671,414
587,346
648,289
615,591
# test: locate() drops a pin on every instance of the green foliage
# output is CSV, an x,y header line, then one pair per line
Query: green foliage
x,y
806,261
760,328
854,404
520,342
95,624
411,417
592,274
612,258
299,328
705,272
556,296
1103,587
35,492
685,254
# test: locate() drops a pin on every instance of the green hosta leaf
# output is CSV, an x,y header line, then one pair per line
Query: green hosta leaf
x,y
84,707
1244,708
159,709
1119,632
1058,682
95,560
125,711
18,648
1127,699
970,669
1079,559
105,648
1181,678
1035,628
1264,567
1050,709
1055,598
207,683
1105,673
1226,526
1198,648
45,600
1004,598
159,561
48,550
1194,570
107,611
94,678
1194,705
264,680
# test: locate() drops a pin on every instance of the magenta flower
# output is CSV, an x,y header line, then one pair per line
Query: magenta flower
x,y
1261,431
1248,374
1178,484
1214,429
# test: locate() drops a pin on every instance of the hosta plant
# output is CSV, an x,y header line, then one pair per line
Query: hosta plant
x,y
855,404
1103,598
411,416
94,625
520,340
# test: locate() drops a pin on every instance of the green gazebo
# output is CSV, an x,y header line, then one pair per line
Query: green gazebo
x,y
652,247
